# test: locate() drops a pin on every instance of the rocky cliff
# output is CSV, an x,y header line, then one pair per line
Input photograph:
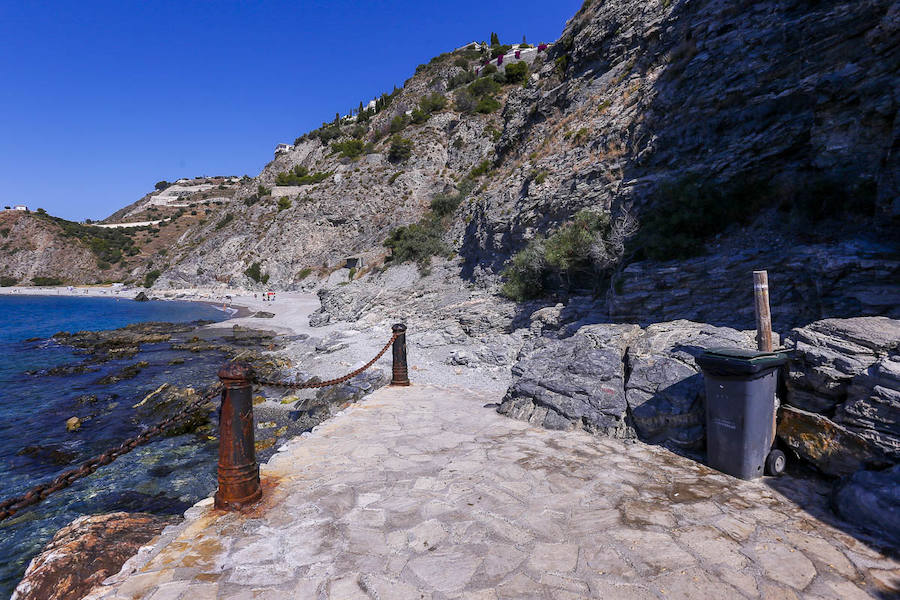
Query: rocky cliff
x,y
738,135
728,136
34,247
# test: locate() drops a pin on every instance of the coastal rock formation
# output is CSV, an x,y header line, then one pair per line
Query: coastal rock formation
x,y
574,382
844,378
665,390
31,246
85,552
871,499
618,380
832,448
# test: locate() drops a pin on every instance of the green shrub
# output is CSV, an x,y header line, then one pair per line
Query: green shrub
x,y
304,273
394,177
480,169
6,281
563,258
300,175
539,176
46,281
103,265
352,148
4,232
254,272
483,87
224,221
419,116
398,123
433,102
400,150
262,190
460,79
499,50
284,203
446,204
461,62
488,70
416,243
487,105
107,244
248,201
161,185
150,278
517,73
525,273
464,101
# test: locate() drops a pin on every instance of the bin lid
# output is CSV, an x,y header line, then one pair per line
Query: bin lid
x,y
739,361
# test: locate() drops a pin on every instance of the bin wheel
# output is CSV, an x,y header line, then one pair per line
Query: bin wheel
x,y
775,463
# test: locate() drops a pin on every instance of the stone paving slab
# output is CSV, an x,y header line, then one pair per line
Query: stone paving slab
x,y
425,493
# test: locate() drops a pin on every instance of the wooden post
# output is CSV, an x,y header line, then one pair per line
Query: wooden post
x,y
763,316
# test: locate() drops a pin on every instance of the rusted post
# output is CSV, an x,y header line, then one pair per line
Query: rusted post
x,y
238,471
400,371
763,316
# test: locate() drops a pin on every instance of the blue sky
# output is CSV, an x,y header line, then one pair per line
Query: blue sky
x,y
99,100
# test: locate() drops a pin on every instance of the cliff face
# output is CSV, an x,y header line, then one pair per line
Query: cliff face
x,y
739,135
33,247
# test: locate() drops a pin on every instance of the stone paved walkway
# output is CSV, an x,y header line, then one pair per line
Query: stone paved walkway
x,y
422,492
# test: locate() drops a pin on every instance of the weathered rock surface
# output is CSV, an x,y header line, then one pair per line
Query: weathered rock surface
x,y
665,390
574,382
871,499
618,379
85,552
811,281
832,448
846,370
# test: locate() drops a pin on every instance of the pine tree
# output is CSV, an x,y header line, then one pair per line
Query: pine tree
x,y
495,39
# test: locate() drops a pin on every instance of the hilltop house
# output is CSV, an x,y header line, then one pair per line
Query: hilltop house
x,y
282,148
20,207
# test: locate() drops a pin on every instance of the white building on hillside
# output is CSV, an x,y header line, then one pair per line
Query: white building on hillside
x,y
20,207
282,148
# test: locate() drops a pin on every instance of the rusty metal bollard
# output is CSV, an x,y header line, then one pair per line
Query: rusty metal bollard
x,y
238,471
400,372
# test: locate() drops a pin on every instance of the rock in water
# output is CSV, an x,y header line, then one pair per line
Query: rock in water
x,y
85,552
73,424
141,297
871,499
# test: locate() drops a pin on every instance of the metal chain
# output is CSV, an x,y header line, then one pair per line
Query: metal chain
x,y
293,385
11,506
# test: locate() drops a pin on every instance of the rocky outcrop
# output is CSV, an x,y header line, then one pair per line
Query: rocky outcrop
x,y
665,390
832,448
846,372
871,499
810,282
618,380
85,552
574,382
34,247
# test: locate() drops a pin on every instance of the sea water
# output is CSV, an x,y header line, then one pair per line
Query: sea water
x,y
164,477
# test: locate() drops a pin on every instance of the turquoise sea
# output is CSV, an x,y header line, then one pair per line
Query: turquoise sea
x,y
163,477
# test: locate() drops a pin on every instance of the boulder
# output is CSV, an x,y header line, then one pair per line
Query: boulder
x,y
665,390
832,448
141,297
263,315
871,499
574,382
872,408
85,552
849,371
